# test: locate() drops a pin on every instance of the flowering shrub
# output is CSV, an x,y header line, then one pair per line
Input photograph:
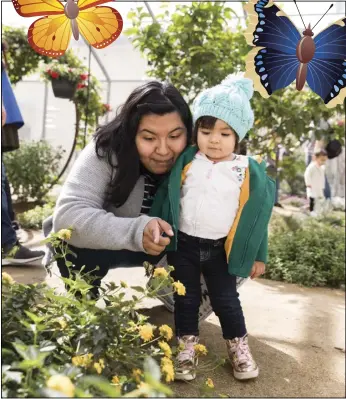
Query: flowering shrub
x,y
63,71
66,345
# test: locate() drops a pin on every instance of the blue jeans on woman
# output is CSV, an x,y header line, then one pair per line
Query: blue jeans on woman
x,y
193,257
8,235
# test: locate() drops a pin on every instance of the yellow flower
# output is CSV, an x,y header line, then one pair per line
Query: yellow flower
x,y
61,383
167,368
165,348
160,272
200,349
6,278
83,360
62,322
98,367
209,383
123,284
146,332
166,332
64,234
136,374
115,380
179,288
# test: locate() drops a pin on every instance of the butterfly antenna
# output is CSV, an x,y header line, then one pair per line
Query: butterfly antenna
x,y
295,2
323,16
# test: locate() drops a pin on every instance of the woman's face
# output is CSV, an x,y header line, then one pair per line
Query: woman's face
x,y
160,139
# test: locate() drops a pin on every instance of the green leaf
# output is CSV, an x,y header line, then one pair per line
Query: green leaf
x,y
138,288
102,384
47,346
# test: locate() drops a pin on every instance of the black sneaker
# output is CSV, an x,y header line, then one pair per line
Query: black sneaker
x,y
15,225
21,255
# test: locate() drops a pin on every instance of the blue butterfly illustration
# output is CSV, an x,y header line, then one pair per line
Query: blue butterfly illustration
x,y
282,54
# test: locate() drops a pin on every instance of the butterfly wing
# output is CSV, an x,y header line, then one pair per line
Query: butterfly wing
x,y
84,4
50,35
33,8
100,26
273,63
326,74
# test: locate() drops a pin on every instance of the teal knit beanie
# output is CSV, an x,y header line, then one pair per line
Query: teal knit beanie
x,y
228,101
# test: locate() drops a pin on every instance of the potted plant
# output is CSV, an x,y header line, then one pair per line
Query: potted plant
x,y
64,79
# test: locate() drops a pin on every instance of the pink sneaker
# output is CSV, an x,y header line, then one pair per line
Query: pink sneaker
x,y
244,365
186,361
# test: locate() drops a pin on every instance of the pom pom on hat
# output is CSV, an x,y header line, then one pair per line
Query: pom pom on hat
x,y
244,84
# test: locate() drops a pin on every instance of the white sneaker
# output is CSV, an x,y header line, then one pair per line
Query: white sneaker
x,y
186,360
244,365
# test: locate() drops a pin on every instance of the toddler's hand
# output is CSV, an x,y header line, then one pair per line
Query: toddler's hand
x,y
258,269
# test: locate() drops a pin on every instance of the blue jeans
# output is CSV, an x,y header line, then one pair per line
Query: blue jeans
x,y
327,190
193,257
8,235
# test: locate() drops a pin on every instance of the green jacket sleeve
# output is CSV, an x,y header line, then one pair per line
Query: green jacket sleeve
x,y
262,254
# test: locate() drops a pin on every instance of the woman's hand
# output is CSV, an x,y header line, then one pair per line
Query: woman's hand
x,y
257,270
153,242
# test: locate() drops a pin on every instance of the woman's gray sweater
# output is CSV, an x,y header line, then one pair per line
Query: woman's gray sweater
x,y
81,205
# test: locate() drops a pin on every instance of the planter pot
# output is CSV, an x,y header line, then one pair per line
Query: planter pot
x,y
63,88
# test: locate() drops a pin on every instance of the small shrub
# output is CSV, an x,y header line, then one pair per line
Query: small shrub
x,y
66,345
310,252
281,224
32,168
33,219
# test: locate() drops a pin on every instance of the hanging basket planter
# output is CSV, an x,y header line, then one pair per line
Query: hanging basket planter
x,y
63,88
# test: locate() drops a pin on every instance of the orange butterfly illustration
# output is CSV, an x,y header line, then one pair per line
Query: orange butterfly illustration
x,y
51,34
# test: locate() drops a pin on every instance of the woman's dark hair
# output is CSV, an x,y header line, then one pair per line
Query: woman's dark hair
x,y
118,137
208,122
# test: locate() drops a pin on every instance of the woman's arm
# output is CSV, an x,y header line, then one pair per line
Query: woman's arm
x,y
80,206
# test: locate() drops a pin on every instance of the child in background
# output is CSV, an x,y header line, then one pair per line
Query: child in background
x,y
219,205
315,179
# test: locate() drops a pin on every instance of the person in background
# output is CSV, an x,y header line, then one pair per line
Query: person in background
x,y
313,143
12,251
9,131
314,177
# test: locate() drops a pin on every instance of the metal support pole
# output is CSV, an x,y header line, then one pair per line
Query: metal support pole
x,y
150,11
98,60
109,84
45,106
104,71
